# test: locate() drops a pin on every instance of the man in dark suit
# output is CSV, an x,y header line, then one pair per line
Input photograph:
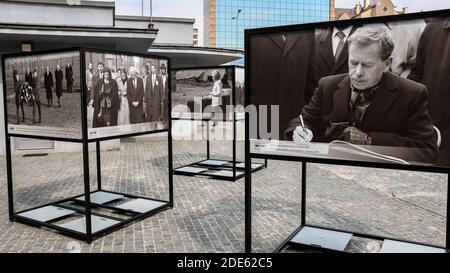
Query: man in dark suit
x,y
152,98
164,92
48,83
369,105
279,73
28,76
69,78
59,76
19,101
433,70
135,93
330,55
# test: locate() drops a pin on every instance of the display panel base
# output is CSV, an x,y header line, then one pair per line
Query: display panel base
x,y
392,246
314,238
217,169
110,211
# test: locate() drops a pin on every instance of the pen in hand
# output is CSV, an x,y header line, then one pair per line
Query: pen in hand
x,y
303,125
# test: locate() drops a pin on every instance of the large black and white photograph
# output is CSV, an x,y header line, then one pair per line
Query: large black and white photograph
x,y
202,92
126,94
376,92
43,95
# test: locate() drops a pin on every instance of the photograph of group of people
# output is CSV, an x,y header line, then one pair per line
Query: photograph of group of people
x,y
43,94
126,94
376,84
202,90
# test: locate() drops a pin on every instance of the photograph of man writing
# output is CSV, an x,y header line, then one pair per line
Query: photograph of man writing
x,y
368,105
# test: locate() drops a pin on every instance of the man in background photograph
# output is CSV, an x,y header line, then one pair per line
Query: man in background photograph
x,y
135,92
69,78
433,70
152,98
59,76
48,83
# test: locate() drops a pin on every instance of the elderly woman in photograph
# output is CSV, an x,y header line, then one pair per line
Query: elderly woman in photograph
x,y
124,109
107,101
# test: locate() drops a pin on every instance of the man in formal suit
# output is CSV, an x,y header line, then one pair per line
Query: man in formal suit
x,y
36,97
69,78
330,55
28,76
433,70
19,101
164,92
152,99
59,76
96,77
369,105
135,92
279,73
48,83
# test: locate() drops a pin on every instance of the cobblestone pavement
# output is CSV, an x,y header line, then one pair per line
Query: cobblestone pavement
x,y
209,214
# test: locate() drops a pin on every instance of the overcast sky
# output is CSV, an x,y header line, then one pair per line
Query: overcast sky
x,y
194,8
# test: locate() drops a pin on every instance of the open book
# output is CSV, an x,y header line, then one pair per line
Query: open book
x,y
346,149
334,150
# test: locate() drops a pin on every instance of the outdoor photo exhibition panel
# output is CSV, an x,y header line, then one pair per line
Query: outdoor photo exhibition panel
x,y
213,98
86,96
365,92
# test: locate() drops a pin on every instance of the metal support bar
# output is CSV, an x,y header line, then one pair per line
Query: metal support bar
x,y
99,166
87,191
303,209
9,178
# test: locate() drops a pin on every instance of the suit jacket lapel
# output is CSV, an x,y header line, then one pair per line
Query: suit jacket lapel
x,y
276,38
383,99
341,99
326,47
291,39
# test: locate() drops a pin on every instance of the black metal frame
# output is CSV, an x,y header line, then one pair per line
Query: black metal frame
x,y
305,160
235,177
131,215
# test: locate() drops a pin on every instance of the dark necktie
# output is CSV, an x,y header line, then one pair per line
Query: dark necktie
x,y
340,46
360,100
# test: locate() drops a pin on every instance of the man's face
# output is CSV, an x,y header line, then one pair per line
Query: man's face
x,y
132,72
163,71
100,68
365,65
57,67
90,66
153,69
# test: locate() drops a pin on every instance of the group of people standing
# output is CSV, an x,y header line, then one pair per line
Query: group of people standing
x,y
27,90
127,97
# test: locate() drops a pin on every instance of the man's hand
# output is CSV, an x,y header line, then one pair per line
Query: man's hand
x,y
302,136
355,136
135,103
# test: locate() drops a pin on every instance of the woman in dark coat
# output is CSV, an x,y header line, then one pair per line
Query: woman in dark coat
x,y
106,101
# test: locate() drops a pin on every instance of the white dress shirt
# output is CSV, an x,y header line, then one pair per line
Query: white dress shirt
x,y
336,39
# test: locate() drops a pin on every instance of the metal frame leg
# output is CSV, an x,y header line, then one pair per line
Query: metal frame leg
x,y
303,209
207,140
9,178
447,228
99,166
87,192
